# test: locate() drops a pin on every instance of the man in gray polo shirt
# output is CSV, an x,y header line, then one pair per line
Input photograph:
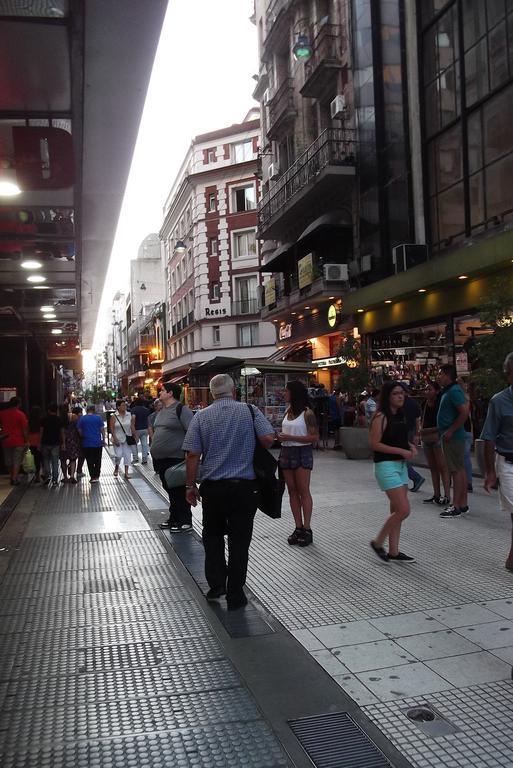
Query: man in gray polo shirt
x,y
223,434
498,436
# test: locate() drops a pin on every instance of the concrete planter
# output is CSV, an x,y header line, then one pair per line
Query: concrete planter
x,y
355,442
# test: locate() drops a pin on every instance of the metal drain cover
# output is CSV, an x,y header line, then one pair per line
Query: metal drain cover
x,y
430,721
336,741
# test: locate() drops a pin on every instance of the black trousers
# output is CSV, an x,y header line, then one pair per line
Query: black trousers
x,y
179,508
229,508
93,457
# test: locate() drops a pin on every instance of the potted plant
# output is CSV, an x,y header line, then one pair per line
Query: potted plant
x,y
354,377
488,351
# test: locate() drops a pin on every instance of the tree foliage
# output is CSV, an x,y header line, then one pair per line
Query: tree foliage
x,y
354,368
489,350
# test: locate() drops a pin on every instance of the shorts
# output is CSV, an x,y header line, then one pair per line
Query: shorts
x,y
454,454
391,474
504,471
13,455
296,457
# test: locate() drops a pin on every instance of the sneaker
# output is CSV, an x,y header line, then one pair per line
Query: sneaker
x,y
451,512
135,461
470,488
165,526
417,484
233,603
401,558
294,536
305,538
432,500
215,593
80,474
186,527
144,461
54,483
444,501
464,510
379,551
73,480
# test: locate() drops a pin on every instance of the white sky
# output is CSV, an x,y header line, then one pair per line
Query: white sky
x,y
201,81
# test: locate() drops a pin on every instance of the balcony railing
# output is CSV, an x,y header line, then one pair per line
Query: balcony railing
x,y
246,307
321,69
281,105
335,146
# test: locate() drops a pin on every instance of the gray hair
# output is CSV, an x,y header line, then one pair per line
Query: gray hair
x,y
221,385
508,362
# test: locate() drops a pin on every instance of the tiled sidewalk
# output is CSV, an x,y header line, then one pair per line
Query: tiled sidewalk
x,y
439,631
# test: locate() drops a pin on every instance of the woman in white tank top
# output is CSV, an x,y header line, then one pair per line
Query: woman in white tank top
x,y
299,430
122,424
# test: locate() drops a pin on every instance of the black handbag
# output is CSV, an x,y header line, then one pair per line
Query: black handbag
x,y
130,439
271,488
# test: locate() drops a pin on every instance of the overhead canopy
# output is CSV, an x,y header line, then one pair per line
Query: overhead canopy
x,y
333,220
285,352
219,364
279,261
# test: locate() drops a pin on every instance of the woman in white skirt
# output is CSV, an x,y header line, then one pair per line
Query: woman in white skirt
x,y
122,425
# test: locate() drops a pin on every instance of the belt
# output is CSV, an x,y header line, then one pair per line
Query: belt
x,y
508,457
230,480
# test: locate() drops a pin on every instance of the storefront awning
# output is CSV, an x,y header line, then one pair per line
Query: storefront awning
x,y
333,220
218,364
280,259
285,352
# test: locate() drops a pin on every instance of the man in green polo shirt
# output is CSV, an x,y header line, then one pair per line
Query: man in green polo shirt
x,y
452,415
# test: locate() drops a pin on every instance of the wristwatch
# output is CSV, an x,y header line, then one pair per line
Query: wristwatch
x,y
191,486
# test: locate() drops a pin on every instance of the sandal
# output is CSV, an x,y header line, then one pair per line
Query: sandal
x,y
295,536
305,537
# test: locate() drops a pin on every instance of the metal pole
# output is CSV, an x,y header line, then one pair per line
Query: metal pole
x,y
25,374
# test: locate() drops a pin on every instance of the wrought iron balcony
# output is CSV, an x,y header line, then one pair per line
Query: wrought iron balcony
x,y
281,106
276,25
321,70
327,163
246,307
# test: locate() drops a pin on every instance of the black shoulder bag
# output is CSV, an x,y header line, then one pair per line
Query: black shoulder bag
x,y
271,487
130,439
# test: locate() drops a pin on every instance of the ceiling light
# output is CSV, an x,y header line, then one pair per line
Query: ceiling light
x,y
9,186
388,301
307,307
422,290
47,308
36,279
293,313
49,316
462,277
56,331
31,264
331,298
41,287
360,310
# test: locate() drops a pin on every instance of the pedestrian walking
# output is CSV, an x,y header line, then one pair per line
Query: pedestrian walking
x,y
452,414
52,441
388,438
498,448
298,433
223,434
72,447
122,424
141,412
157,407
169,430
34,429
14,424
412,414
371,405
432,449
92,433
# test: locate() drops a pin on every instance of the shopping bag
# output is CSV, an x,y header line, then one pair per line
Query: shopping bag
x,y
28,463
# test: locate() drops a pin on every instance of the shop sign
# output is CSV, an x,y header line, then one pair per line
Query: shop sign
x,y
285,331
400,351
332,315
218,312
270,292
6,393
305,270
329,362
462,362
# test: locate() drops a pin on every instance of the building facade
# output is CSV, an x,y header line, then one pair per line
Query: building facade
x,y
211,252
386,159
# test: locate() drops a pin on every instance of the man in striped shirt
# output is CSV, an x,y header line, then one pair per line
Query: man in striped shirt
x,y
223,435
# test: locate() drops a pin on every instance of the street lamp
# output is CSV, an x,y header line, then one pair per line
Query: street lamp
x,y
302,49
180,246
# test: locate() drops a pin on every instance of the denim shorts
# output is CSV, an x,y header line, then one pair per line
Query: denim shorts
x,y
391,474
296,457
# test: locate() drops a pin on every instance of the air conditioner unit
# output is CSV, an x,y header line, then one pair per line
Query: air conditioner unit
x,y
274,171
337,272
338,106
408,255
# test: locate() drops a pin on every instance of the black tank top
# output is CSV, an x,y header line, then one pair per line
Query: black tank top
x,y
395,435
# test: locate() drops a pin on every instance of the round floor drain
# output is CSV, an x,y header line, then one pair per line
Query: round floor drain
x,y
421,715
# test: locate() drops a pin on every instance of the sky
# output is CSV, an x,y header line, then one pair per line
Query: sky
x,y
201,81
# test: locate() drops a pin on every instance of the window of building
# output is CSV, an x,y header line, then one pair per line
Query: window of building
x,y
211,155
242,150
246,301
216,334
215,291
189,262
212,202
248,334
191,345
244,198
244,243
212,246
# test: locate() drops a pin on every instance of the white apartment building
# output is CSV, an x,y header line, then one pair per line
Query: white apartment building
x,y
213,283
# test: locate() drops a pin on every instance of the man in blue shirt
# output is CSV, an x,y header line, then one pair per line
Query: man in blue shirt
x,y
141,413
92,431
452,415
223,434
498,436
